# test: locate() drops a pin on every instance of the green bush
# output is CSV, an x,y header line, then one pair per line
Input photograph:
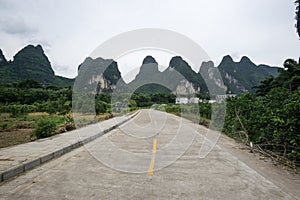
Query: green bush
x,y
17,110
271,121
100,107
173,109
45,128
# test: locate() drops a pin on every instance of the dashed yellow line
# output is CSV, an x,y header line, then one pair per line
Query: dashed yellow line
x,y
154,146
151,167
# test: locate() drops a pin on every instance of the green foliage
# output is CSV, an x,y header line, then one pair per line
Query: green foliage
x,y
289,78
30,96
103,97
205,110
148,99
45,128
17,110
272,120
60,106
173,109
132,103
101,107
28,83
271,117
103,103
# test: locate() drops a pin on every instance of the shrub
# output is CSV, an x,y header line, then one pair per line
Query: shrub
x,y
17,110
45,128
100,107
173,109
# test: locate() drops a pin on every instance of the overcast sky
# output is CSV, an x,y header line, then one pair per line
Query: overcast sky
x,y
69,30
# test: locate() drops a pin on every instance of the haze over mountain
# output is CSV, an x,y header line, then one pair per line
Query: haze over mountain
x,y
32,63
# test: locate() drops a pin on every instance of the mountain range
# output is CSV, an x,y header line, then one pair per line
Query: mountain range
x,y
32,63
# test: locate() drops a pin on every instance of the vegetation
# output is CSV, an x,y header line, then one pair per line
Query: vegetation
x,y
271,117
289,78
17,130
30,110
147,100
45,128
51,107
30,96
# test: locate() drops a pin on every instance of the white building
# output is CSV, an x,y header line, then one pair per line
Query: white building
x,y
185,100
219,99
194,100
181,100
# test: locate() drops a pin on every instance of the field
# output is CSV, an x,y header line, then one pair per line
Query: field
x,y
18,130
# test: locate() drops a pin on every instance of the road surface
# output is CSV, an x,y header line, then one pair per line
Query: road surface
x,y
153,156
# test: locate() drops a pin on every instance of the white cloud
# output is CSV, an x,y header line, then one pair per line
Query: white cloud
x,y
16,26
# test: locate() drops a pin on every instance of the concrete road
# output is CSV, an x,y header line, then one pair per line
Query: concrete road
x,y
153,156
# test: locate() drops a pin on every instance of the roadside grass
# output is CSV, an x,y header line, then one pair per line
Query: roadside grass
x,y
19,130
102,117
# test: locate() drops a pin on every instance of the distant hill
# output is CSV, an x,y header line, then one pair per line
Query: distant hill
x,y
30,63
103,73
150,79
185,69
237,77
271,70
243,75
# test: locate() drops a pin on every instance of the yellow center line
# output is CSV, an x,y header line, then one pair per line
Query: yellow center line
x,y
154,146
151,167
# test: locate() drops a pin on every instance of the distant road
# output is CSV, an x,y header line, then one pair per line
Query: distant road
x,y
143,159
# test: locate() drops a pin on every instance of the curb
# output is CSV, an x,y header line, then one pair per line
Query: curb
x,y
13,172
